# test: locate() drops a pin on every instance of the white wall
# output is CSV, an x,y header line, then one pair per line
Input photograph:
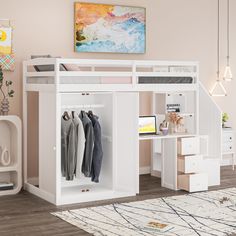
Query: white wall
x,y
176,30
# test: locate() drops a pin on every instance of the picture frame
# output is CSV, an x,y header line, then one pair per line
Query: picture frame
x,y
108,28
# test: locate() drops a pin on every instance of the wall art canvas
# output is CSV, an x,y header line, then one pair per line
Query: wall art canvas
x,y
109,28
7,62
5,40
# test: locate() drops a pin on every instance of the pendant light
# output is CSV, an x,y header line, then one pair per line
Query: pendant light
x,y
218,89
228,74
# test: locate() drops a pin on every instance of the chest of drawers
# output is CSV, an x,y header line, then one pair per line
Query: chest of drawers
x,y
228,143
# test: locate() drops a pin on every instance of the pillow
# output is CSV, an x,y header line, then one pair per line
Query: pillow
x,y
41,68
72,67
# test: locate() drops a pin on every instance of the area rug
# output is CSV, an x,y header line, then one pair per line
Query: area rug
x,y
205,213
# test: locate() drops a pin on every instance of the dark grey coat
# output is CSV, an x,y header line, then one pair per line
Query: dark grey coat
x,y
97,150
89,143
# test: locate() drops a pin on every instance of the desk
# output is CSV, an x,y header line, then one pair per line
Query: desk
x,y
165,158
160,136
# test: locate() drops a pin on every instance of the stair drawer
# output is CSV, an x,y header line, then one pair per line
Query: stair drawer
x,y
193,182
227,137
189,164
188,146
227,147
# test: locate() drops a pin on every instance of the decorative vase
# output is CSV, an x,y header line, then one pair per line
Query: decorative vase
x,y
173,128
5,107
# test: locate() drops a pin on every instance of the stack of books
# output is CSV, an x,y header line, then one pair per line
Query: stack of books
x,y
6,186
173,108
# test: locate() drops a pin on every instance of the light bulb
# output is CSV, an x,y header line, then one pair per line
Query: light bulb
x,y
218,90
227,74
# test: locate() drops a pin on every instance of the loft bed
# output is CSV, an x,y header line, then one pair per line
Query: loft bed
x,y
109,75
111,89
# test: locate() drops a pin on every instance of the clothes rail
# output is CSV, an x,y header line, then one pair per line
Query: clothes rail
x,y
82,106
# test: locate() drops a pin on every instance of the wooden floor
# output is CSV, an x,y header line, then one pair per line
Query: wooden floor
x,y
26,215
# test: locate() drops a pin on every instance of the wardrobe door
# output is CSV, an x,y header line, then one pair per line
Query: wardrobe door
x,y
126,149
47,144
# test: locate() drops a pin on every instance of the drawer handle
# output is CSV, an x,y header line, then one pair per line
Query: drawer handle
x,y
230,147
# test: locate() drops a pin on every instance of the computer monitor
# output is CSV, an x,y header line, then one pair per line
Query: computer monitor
x,y
147,125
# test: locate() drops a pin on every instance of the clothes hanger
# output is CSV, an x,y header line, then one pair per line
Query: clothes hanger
x,y
66,116
73,114
90,113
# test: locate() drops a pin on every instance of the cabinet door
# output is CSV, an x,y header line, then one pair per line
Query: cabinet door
x,y
126,148
47,143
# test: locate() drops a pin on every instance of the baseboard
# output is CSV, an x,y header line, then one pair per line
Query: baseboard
x,y
144,170
156,173
226,161
33,180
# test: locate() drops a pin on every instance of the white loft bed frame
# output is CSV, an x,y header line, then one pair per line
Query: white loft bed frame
x,y
113,69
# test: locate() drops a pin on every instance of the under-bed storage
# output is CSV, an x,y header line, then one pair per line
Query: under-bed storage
x,y
193,182
188,146
119,171
189,164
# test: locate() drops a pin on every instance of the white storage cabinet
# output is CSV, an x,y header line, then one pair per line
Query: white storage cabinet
x,y
119,168
228,144
11,139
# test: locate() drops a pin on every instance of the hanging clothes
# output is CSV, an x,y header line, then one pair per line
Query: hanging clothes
x,y
89,144
97,150
79,142
68,147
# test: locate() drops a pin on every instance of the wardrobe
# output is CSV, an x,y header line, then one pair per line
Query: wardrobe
x,y
110,89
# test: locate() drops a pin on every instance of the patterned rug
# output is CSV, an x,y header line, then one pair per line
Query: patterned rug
x,y
205,213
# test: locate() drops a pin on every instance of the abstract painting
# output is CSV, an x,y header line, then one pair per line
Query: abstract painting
x,y
109,28
5,40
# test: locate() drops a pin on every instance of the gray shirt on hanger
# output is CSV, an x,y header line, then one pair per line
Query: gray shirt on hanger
x,y
68,148
80,144
88,151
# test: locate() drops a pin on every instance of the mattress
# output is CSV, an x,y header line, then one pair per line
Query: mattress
x,y
108,80
165,80
80,80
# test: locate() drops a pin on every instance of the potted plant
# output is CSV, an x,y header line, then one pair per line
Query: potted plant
x,y
7,93
225,118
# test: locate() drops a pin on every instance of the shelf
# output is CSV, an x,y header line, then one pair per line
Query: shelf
x,y
10,129
184,114
160,136
96,193
8,168
227,153
76,182
180,114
